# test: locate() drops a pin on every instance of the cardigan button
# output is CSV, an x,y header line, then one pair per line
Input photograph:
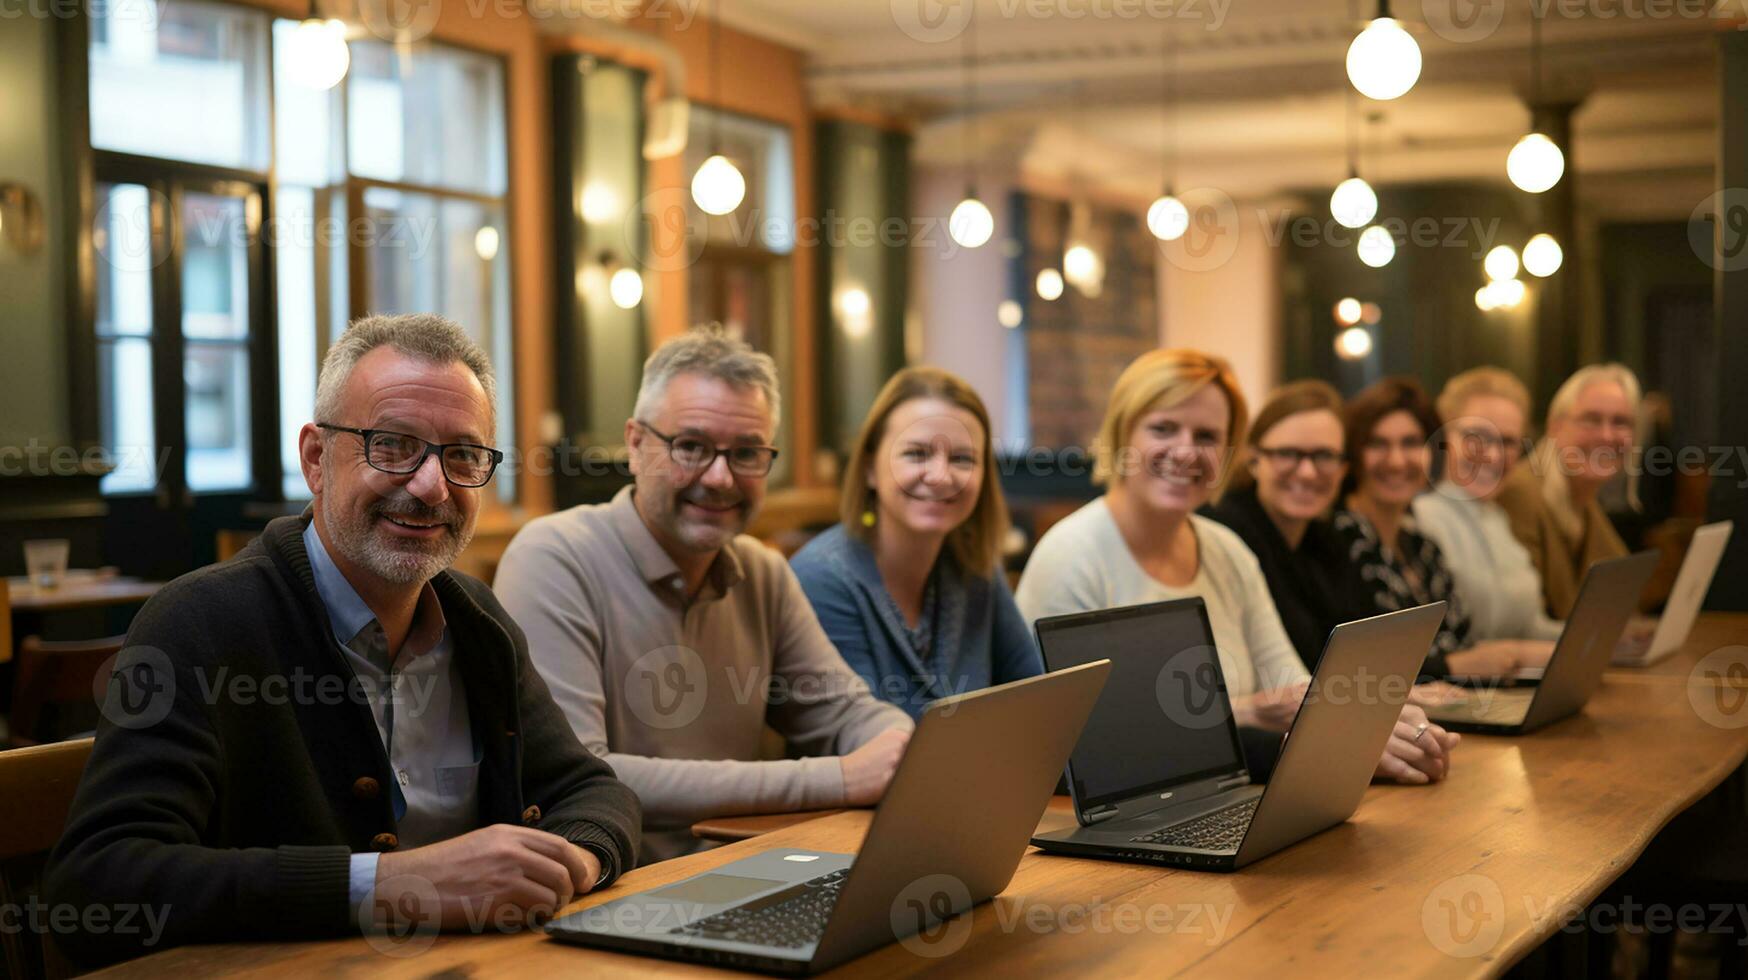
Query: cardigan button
x,y
384,842
531,816
366,788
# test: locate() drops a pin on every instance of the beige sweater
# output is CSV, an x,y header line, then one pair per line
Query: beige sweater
x,y
676,694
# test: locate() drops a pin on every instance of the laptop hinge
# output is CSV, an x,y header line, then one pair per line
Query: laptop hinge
x,y
1102,813
1239,778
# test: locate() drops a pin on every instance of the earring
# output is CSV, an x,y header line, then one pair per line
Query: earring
x,y
868,517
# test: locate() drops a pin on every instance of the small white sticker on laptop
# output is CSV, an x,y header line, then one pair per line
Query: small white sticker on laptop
x,y
804,858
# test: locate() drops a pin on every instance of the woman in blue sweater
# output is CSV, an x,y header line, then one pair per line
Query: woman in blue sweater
x,y
909,584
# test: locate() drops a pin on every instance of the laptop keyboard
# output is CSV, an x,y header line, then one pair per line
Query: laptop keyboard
x,y
1222,830
789,918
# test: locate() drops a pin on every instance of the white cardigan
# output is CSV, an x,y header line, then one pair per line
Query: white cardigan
x,y
1083,563
1495,579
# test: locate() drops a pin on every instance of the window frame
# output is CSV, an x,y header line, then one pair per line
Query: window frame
x,y
87,166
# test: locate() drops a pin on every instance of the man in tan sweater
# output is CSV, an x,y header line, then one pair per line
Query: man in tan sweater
x,y
671,641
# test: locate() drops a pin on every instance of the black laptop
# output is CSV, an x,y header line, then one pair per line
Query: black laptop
x,y
1158,774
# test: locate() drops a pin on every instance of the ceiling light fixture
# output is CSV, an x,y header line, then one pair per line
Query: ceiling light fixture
x,y
1383,62
1536,162
970,224
1167,218
718,186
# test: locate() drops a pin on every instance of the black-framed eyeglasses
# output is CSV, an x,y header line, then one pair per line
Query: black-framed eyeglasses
x,y
1486,439
464,463
692,453
1287,458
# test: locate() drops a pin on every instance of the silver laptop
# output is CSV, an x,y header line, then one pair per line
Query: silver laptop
x,y
1685,599
948,834
1159,776
1606,601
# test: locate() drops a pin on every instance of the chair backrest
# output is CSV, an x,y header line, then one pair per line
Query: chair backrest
x,y
5,620
56,679
36,794
228,542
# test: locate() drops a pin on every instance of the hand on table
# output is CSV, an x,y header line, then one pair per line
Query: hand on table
x,y
869,769
490,875
1419,751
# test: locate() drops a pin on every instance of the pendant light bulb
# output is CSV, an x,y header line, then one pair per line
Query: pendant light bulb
x,y
1535,163
1167,218
970,224
316,55
1354,204
1383,62
718,186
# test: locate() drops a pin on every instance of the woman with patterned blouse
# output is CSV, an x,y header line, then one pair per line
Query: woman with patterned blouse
x,y
1389,426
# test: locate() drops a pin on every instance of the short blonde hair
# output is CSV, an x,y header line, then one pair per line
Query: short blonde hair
x,y
1612,372
1166,378
975,544
1478,382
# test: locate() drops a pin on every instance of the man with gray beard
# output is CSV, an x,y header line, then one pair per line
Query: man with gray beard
x,y
333,731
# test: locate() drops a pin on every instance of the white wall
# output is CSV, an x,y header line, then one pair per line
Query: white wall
x,y
1231,308
954,293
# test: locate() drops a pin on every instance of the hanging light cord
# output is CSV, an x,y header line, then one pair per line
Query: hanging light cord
x,y
1535,57
716,80
1169,103
968,80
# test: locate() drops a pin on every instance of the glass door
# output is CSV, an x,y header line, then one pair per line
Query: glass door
x,y
186,398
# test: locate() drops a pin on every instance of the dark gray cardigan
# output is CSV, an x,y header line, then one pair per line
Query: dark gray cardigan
x,y
235,807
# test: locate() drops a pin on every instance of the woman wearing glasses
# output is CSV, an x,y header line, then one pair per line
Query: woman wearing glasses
x,y
1279,500
1486,411
1388,426
1552,501
909,585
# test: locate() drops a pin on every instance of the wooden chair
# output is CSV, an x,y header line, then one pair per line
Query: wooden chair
x,y
36,794
5,621
228,542
54,688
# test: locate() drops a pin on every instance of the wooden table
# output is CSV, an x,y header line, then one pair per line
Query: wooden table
x,y
1717,641
1457,879
81,590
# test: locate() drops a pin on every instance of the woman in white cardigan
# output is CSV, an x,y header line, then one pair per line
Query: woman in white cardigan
x,y
1485,412
1163,448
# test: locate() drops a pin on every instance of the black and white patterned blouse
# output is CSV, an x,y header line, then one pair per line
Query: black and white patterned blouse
x,y
1414,575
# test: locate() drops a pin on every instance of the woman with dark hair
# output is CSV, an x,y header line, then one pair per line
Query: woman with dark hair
x,y
1278,499
1388,431
909,585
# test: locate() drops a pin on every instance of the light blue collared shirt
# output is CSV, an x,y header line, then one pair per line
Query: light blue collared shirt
x,y
420,708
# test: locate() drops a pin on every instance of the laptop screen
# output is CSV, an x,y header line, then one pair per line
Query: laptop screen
x,y
1163,718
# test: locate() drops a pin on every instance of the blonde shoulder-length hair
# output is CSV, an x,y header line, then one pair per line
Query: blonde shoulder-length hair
x,y
974,544
1163,378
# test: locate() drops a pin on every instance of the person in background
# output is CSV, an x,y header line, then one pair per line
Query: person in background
x,y
1388,426
1162,451
442,788
1485,412
909,585
671,640
1551,499
1279,500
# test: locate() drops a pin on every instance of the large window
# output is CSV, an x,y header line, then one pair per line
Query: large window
x,y
742,277
216,170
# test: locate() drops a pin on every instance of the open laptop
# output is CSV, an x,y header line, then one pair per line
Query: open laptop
x,y
1685,598
1606,601
1159,776
948,834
